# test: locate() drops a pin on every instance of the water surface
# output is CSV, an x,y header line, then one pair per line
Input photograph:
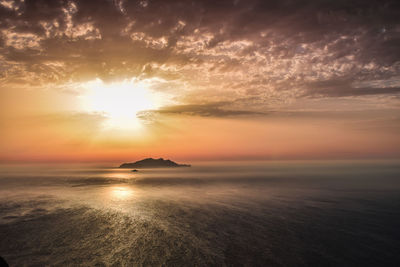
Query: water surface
x,y
295,213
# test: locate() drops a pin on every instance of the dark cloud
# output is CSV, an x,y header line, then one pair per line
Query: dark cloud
x,y
342,88
343,91
220,109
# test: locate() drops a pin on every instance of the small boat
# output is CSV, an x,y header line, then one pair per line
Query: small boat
x,y
134,170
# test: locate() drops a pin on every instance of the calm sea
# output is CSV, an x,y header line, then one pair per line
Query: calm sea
x,y
292,213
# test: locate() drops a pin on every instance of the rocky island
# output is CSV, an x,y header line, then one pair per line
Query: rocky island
x,y
153,163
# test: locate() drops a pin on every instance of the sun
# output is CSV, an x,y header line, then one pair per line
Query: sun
x,y
119,101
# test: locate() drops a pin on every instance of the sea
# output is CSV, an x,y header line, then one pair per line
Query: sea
x,y
248,213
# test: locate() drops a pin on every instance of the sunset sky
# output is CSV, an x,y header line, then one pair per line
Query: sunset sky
x,y
122,80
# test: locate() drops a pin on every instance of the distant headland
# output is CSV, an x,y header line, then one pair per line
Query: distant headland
x,y
153,163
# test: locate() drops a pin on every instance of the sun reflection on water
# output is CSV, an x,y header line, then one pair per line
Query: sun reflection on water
x,y
121,192
121,174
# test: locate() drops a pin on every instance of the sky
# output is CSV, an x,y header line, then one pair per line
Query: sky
x,y
199,80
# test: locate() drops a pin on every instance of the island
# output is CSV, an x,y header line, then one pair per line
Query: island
x,y
153,163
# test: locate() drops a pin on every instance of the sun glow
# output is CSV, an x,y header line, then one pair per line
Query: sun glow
x,y
121,192
120,101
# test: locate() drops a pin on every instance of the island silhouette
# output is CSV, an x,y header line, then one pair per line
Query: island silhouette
x,y
152,163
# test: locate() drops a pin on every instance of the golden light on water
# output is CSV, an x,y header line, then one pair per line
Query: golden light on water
x,y
121,192
124,174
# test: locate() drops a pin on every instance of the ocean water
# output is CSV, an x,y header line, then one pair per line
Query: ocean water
x,y
293,213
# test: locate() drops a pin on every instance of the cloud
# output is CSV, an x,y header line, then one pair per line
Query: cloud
x,y
342,88
220,109
278,51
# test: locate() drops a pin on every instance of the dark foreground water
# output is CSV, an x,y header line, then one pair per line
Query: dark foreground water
x,y
238,214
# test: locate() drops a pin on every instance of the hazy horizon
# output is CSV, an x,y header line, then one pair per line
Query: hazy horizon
x,y
195,161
